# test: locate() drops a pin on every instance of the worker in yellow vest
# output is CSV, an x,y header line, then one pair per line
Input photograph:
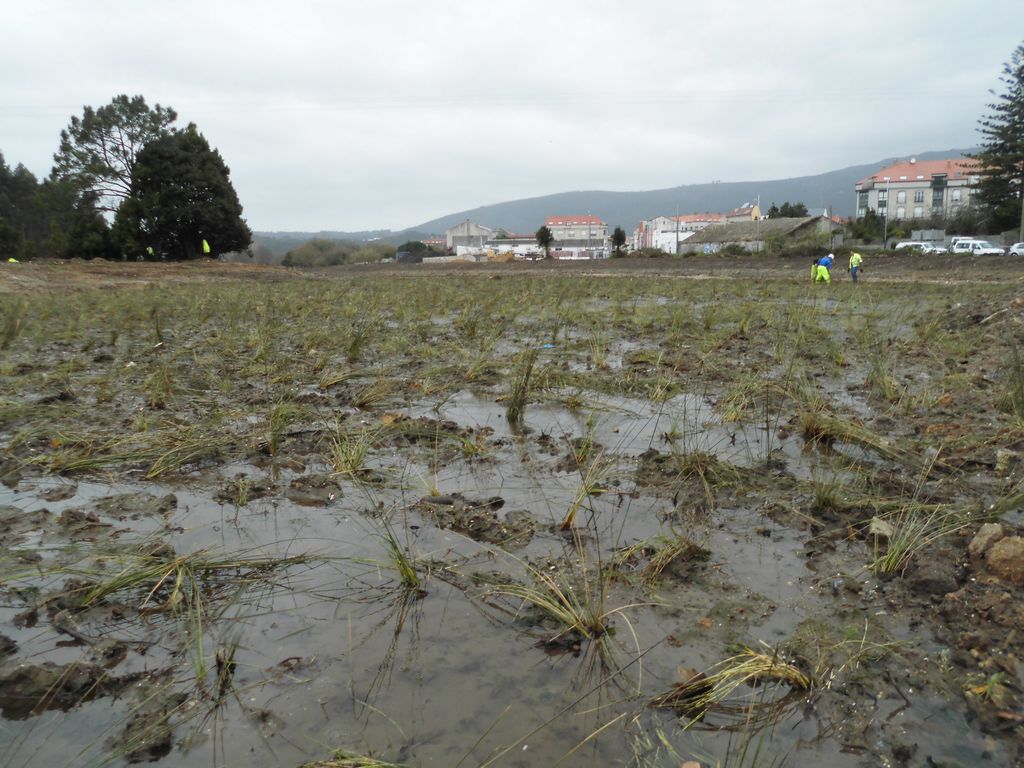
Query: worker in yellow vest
x,y
855,268
206,247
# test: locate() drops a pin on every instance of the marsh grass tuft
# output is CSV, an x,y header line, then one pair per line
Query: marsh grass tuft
x,y
520,388
751,667
13,321
343,758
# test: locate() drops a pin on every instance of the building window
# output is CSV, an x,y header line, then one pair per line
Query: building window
x,y
862,200
883,194
901,197
919,196
918,212
954,195
937,198
901,212
862,212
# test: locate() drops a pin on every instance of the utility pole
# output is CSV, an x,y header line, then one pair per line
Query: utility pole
x,y
1020,235
677,228
885,218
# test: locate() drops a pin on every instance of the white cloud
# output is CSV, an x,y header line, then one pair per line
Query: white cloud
x,y
357,115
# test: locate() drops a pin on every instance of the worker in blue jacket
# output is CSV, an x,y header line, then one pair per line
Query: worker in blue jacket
x,y
823,269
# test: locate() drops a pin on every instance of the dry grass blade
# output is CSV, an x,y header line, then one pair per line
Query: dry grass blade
x,y
700,691
342,758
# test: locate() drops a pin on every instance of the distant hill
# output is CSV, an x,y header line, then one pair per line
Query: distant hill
x,y
626,209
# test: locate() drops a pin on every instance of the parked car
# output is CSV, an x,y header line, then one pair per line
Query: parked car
x,y
915,245
978,248
1017,249
935,248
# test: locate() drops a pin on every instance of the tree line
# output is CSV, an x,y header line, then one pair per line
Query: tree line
x,y
125,183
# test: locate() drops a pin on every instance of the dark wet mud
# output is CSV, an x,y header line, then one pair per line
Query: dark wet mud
x,y
639,518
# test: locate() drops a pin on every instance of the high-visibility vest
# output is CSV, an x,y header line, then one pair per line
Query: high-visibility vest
x,y
206,246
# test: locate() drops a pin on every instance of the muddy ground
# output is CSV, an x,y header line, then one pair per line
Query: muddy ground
x,y
610,513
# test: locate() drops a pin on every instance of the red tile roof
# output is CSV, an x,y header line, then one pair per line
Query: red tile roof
x,y
698,217
745,210
923,170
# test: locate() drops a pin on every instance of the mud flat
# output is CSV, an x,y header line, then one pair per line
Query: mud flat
x,y
618,514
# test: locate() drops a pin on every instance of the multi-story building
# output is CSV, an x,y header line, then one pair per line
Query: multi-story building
x,y
667,232
468,234
746,212
918,189
585,232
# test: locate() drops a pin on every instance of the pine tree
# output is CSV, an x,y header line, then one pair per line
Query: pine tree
x,y
181,196
1001,185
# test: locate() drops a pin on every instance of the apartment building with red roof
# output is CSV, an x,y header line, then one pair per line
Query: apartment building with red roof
x,y
918,189
578,231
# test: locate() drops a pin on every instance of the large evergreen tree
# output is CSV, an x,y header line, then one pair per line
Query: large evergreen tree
x,y
181,195
544,240
1001,186
618,240
98,151
52,219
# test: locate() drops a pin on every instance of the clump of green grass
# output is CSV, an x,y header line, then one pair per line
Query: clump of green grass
x,y
349,450
661,552
159,386
343,758
704,690
595,474
520,388
1012,399
818,426
280,417
909,531
402,561
14,312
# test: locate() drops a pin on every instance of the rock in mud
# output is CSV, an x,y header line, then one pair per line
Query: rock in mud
x,y
10,474
932,577
60,492
147,736
15,523
1006,559
81,525
478,519
7,646
27,689
983,540
1007,460
313,490
137,505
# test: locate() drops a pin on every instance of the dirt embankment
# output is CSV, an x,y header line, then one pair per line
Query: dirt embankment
x,y
28,277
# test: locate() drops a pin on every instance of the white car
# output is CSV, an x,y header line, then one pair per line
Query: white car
x,y
1017,249
978,248
915,245
935,248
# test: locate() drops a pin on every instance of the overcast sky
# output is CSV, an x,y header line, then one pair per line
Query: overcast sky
x,y
388,113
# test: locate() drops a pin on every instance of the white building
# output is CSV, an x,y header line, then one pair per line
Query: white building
x,y
578,232
467,235
918,189
667,232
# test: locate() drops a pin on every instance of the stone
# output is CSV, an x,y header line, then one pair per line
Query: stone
x,y
983,540
1006,559
1007,460
932,577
